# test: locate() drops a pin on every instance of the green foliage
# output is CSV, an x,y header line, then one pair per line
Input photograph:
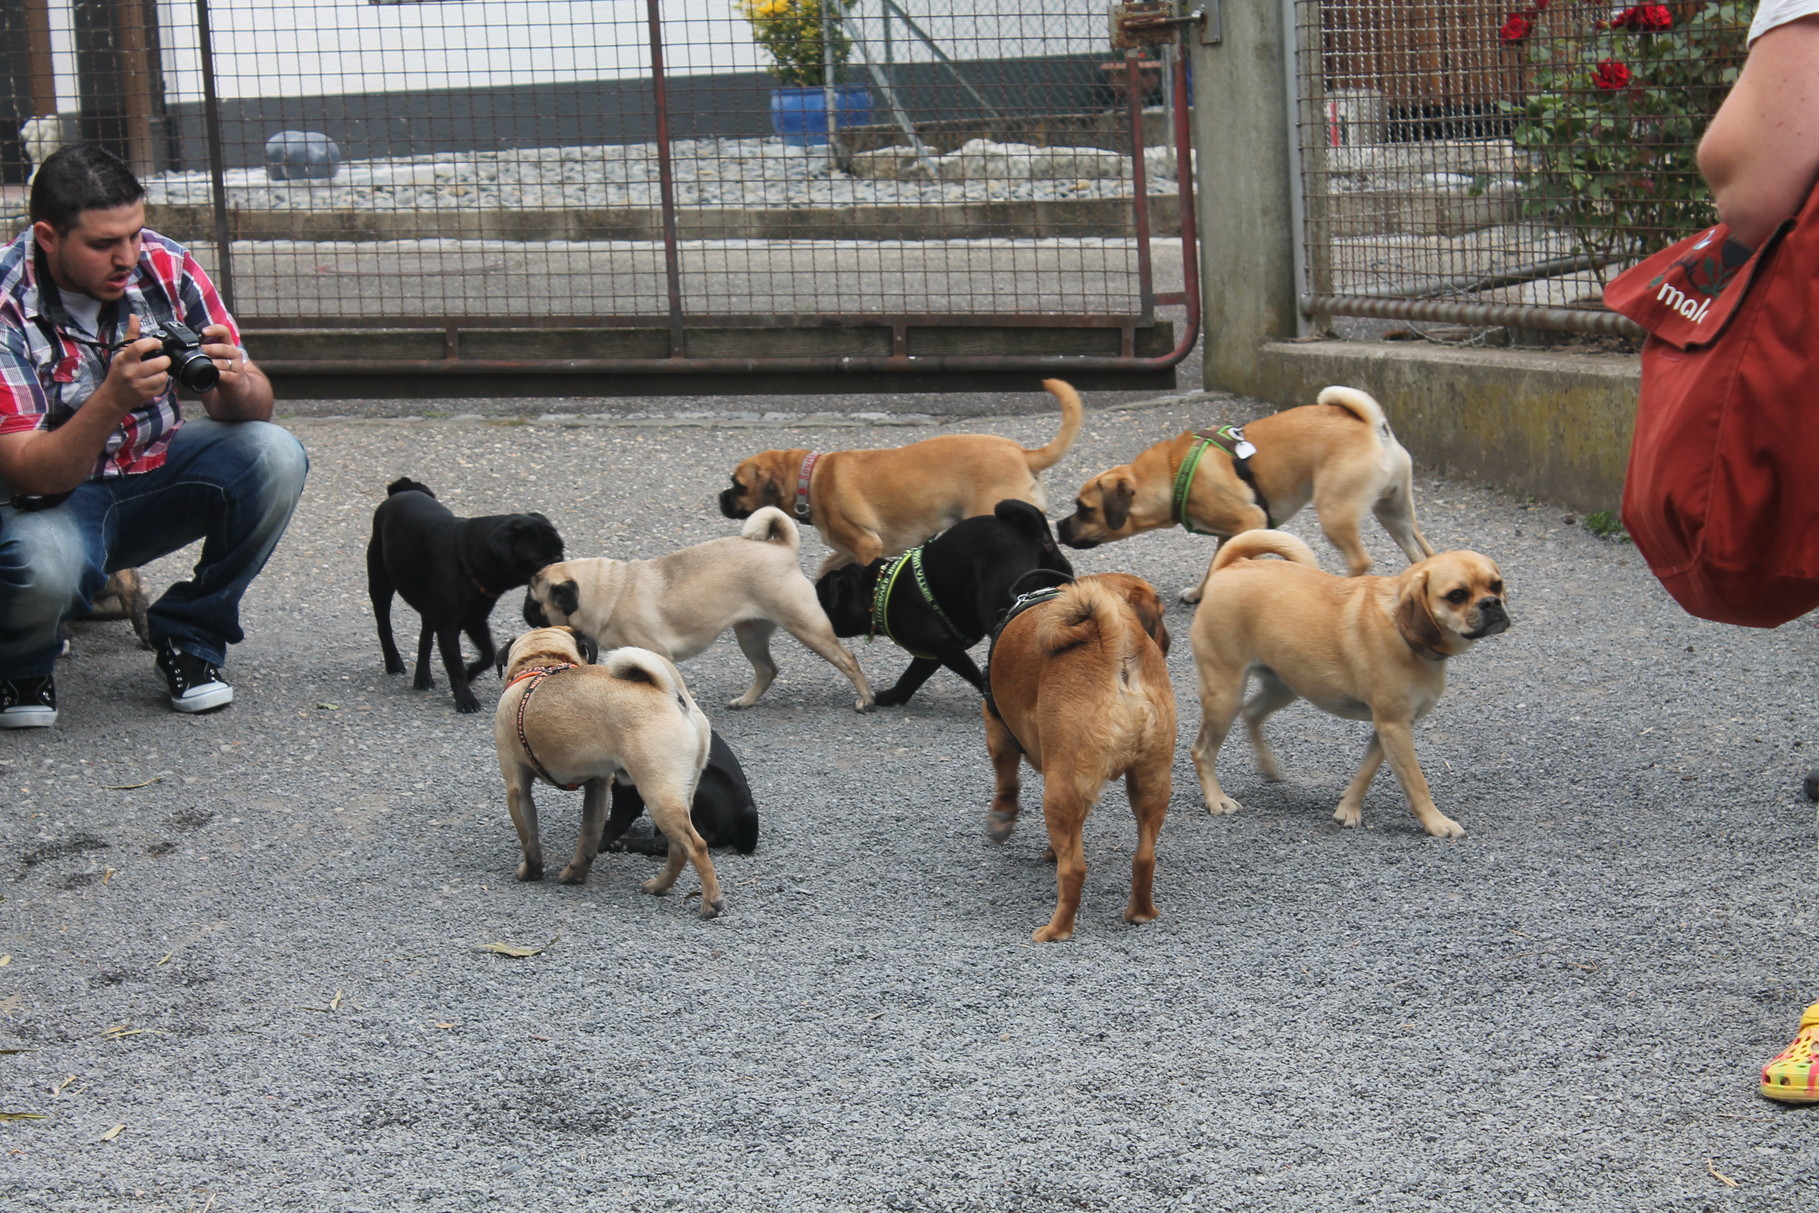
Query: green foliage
x,y
1606,525
1617,102
792,31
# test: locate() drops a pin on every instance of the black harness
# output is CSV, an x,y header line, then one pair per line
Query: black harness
x,y
1019,604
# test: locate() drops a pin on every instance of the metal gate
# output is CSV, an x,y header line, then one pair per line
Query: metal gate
x,y
1493,163
488,188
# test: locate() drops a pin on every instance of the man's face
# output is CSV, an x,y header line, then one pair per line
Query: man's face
x,y
97,256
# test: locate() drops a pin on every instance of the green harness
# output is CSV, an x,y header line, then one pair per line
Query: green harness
x,y
1229,439
881,601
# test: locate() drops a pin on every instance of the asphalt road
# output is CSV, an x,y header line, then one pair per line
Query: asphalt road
x,y
244,952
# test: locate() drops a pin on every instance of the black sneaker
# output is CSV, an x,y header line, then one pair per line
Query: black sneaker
x,y
195,685
28,703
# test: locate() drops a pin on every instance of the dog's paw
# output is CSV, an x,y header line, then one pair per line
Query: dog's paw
x,y
714,908
741,703
394,665
864,705
998,825
1349,815
467,705
1190,594
887,699
1052,934
1442,826
574,873
530,871
1136,914
1221,804
656,886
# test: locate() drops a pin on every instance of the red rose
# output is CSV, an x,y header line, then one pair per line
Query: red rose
x,y
1611,75
1644,18
1516,28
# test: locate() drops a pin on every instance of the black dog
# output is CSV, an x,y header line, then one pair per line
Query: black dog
x,y
972,570
723,811
451,571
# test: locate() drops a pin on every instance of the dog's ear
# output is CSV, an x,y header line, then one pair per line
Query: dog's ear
x,y
1148,606
1115,496
565,596
1415,618
588,647
505,657
770,493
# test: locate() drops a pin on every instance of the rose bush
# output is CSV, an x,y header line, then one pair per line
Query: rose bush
x,y
1617,100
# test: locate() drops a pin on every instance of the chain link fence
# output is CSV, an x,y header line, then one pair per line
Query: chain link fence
x,y
916,172
1492,164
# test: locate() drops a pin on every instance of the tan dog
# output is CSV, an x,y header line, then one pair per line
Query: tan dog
x,y
679,604
1366,648
573,724
1079,686
868,504
1338,454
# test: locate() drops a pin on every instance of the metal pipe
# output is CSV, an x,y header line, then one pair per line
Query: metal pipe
x,y
1472,283
1510,315
1140,201
666,185
217,166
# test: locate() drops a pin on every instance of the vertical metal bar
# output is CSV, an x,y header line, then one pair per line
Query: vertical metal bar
x,y
829,105
1140,203
1297,180
666,184
217,171
1184,190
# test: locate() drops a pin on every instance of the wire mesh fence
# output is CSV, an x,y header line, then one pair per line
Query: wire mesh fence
x,y
1494,163
672,166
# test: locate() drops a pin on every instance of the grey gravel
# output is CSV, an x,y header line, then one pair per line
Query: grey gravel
x,y
284,902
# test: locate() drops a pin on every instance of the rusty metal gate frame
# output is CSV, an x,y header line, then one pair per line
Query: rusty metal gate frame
x,y
678,321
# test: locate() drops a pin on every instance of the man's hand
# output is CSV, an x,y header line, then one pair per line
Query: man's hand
x,y
243,393
138,373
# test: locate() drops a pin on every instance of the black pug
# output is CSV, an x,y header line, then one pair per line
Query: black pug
x,y
974,570
451,571
723,810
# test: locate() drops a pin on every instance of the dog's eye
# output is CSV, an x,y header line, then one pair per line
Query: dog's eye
x,y
1083,509
1497,588
1458,596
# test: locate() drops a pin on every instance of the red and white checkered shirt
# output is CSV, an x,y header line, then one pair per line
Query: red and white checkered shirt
x,y
49,366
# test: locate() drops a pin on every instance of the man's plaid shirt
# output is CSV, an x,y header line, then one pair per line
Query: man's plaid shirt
x,y
49,367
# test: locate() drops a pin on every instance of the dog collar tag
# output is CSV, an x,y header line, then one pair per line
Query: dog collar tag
x,y
1241,448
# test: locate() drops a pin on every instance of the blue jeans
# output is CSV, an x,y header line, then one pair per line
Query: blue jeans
x,y
231,484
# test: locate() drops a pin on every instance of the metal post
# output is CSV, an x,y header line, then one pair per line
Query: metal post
x,y
217,166
666,184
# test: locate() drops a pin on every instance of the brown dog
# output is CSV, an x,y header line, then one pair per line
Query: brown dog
x,y
1339,454
575,724
1078,685
1366,648
868,504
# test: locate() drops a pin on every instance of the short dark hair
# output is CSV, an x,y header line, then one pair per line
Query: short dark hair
x,y
77,178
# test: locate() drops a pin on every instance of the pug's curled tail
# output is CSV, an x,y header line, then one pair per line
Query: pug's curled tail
x,y
1252,544
1361,405
772,525
1072,417
1083,610
404,484
631,664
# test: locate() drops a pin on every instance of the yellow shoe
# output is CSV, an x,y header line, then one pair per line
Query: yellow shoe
x,y
1793,1076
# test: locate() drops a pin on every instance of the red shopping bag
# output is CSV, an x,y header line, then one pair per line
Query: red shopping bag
x,y
1722,492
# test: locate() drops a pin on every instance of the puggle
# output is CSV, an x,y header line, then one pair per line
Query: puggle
x,y
574,724
1365,648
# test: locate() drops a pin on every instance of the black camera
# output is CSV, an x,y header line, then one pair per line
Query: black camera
x,y
183,345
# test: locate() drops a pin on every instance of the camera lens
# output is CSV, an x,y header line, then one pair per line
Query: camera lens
x,y
195,370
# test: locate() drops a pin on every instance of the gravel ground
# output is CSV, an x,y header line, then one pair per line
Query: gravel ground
x,y
244,949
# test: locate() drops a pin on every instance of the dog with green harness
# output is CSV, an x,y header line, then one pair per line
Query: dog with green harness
x,y
939,600
1339,454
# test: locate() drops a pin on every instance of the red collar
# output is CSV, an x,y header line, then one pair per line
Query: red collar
x,y
802,479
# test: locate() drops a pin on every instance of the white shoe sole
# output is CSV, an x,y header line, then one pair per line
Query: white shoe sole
x,y
28,718
205,698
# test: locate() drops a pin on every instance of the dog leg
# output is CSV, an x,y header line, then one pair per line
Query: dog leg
x,y
1395,511
1197,591
523,809
1220,696
1064,810
380,589
587,845
1350,812
482,636
1272,696
1007,770
1398,739
819,637
1149,804
668,807
909,682
425,639
448,640
754,637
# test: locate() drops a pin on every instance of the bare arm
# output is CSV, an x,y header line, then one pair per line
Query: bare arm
x,y
53,461
243,393
1761,153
